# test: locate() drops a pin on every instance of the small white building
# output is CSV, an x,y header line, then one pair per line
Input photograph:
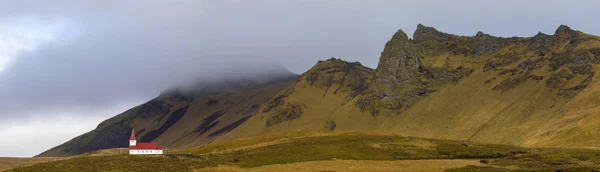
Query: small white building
x,y
143,148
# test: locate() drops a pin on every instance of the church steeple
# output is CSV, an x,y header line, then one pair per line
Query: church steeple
x,y
132,141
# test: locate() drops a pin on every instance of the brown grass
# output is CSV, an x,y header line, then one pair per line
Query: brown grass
x,y
9,163
354,165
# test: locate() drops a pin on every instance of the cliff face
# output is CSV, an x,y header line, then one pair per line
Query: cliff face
x,y
398,63
401,79
485,88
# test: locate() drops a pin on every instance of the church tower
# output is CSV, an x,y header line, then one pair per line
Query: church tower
x,y
132,141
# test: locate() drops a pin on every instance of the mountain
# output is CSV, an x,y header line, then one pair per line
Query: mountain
x,y
533,91
183,116
526,91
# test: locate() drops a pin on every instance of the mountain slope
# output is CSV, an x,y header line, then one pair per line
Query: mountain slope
x,y
535,91
518,93
311,102
527,91
182,117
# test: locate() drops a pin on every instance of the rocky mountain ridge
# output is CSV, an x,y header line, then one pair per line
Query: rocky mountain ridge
x,y
528,91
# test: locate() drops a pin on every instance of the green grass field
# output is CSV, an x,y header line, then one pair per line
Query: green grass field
x,y
302,147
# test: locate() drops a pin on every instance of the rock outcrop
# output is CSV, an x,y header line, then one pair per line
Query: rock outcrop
x,y
398,64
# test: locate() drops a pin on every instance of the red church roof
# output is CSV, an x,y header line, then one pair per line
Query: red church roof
x,y
132,137
146,146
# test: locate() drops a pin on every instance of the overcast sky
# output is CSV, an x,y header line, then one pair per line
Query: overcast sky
x,y
66,65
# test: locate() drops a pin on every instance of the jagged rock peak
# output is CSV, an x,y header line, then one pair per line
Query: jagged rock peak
x,y
399,35
333,59
398,62
429,33
541,34
540,41
337,61
479,33
480,36
423,27
563,29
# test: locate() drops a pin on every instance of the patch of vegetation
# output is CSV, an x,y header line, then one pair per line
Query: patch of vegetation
x,y
312,78
433,42
350,76
519,74
584,69
121,163
510,83
500,60
229,127
530,65
489,80
368,102
355,79
273,103
209,122
380,101
291,111
549,159
573,58
443,74
513,82
484,161
537,78
234,144
278,100
212,101
154,108
472,168
573,91
330,125
559,79
361,147
175,116
250,111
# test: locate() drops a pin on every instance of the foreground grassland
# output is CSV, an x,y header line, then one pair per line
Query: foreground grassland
x,y
9,163
353,165
329,147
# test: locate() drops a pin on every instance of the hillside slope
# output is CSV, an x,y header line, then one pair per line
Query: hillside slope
x,y
182,117
534,91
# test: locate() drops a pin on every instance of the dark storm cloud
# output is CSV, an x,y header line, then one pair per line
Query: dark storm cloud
x,y
113,51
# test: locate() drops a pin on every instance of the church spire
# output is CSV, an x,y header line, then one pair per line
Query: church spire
x,y
132,137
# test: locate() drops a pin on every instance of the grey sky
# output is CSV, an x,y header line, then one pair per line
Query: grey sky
x,y
93,59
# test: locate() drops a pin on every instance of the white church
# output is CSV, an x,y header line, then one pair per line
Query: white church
x,y
143,148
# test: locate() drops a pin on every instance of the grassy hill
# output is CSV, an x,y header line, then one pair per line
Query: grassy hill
x,y
286,150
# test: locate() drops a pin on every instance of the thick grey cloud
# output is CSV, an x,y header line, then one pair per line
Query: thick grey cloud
x,y
109,52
